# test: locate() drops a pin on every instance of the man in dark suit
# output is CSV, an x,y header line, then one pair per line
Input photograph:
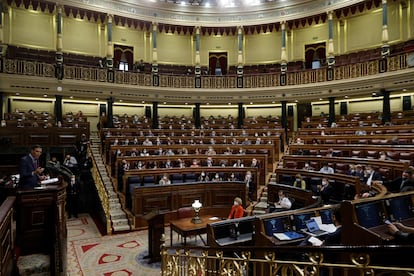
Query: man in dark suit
x,y
403,183
30,170
73,191
335,238
370,175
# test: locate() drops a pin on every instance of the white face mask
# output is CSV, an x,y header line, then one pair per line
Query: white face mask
x,y
217,176
324,183
236,203
203,174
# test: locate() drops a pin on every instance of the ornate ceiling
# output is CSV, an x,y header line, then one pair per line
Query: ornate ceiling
x,y
213,13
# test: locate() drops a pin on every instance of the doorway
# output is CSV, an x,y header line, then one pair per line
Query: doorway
x,y
217,63
315,55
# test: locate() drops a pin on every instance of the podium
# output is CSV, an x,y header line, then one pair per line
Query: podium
x,y
155,221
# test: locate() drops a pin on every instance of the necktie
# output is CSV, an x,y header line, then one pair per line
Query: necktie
x,y
35,163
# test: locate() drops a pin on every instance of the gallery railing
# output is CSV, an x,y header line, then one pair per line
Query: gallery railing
x,y
349,71
287,260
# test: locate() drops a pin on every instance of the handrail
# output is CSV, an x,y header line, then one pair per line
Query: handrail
x,y
286,260
102,193
342,72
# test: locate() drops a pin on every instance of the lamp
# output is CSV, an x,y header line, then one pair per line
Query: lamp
x,y
196,206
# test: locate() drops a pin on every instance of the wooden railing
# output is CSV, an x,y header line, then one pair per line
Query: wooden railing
x,y
349,71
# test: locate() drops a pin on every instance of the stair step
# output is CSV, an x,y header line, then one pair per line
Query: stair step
x,y
118,217
259,212
261,205
118,228
115,205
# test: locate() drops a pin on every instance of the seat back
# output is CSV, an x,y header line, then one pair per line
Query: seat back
x,y
185,212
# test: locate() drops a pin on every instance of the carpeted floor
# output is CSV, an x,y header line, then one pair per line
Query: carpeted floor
x,y
90,253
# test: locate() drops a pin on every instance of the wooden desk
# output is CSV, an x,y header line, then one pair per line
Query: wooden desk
x,y
185,227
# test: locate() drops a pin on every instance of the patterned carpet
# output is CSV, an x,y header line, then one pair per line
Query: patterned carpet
x,y
89,253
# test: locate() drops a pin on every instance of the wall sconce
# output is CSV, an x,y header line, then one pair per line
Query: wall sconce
x,y
196,206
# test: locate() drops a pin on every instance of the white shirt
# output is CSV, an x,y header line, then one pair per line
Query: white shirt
x,y
284,203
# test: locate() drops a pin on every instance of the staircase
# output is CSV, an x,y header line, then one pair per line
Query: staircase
x,y
262,205
118,217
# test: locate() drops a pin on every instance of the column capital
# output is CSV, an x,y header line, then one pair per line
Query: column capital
x,y
330,14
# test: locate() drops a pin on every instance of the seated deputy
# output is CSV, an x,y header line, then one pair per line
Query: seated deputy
x,y
282,204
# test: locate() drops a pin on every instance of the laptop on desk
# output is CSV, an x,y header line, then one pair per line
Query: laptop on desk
x,y
288,235
312,228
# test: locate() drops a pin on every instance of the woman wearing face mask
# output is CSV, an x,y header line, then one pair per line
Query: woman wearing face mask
x,y
237,210
203,177
299,182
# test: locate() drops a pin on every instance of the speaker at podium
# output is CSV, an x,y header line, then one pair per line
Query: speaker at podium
x,y
155,221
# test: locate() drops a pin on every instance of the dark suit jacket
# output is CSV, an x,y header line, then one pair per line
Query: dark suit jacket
x,y
395,184
27,180
334,238
376,176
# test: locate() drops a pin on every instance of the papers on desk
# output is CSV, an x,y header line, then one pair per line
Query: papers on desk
x,y
214,218
287,236
49,181
315,241
330,228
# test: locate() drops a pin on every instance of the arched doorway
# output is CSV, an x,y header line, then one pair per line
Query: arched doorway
x,y
217,63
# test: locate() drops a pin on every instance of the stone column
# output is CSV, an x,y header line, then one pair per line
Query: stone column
x,y
1,23
385,48
155,115
59,45
283,56
110,52
1,105
197,119
240,116
197,69
330,50
58,108
2,46
154,70
331,118
386,107
283,115
240,61
110,113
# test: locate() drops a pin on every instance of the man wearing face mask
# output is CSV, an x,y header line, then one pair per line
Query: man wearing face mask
x,y
325,190
237,210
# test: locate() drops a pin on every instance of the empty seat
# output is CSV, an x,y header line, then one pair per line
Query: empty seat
x,y
177,178
341,168
394,155
147,180
291,164
372,154
190,177
313,152
356,153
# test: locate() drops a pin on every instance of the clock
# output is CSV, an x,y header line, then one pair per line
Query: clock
x,y
410,60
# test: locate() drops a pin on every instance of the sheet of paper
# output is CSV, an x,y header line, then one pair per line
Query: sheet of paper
x,y
315,241
330,228
281,236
